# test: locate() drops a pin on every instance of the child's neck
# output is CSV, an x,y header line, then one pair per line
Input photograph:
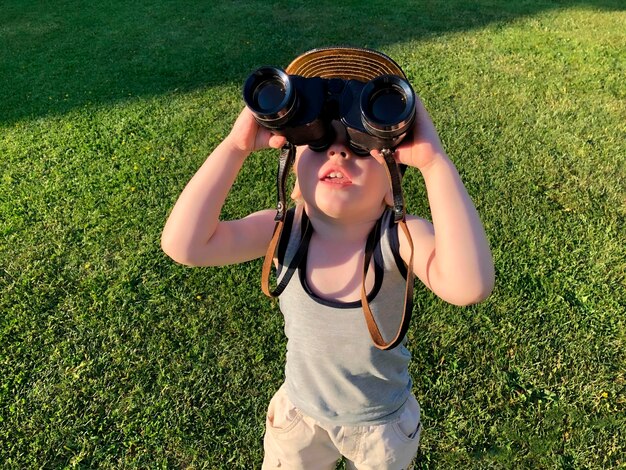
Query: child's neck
x,y
347,230
334,270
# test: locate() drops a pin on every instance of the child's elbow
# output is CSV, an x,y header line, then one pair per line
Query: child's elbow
x,y
468,289
175,250
168,249
479,296
477,291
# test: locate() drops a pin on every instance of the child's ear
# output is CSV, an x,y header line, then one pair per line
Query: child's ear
x,y
389,197
296,194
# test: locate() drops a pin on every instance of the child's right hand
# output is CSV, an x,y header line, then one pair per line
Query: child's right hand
x,y
247,136
425,145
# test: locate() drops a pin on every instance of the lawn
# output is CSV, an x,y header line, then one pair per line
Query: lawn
x,y
113,356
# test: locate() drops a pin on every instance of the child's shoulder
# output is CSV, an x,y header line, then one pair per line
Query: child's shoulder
x,y
421,246
419,226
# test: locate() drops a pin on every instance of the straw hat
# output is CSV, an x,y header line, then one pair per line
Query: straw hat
x,y
348,63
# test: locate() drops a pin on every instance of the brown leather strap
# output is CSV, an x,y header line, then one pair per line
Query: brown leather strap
x,y
269,259
372,326
285,162
400,218
287,156
395,178
293,264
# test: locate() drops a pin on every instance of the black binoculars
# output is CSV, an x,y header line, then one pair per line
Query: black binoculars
x,y
376,115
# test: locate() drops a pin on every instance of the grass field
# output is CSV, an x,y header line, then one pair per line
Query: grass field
x,y
113,356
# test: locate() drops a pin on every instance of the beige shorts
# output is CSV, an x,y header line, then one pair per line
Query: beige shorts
x,y
294,440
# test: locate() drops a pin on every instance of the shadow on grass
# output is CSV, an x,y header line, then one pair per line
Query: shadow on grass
x,y
58,57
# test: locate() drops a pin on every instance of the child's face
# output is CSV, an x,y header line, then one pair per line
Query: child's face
x,y
339,184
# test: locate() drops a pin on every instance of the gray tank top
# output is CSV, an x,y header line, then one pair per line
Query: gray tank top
x,y
334,373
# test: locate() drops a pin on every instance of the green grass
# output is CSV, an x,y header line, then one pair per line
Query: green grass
x,y
112,356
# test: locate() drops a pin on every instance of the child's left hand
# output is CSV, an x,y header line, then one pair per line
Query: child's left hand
x,y
423,148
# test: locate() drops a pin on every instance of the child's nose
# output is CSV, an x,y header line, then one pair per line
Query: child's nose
x,y
337,152
339,148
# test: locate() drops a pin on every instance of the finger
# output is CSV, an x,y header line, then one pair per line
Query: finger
x,y
277,141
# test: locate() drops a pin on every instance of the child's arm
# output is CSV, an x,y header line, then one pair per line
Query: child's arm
x,y
452,255
193,234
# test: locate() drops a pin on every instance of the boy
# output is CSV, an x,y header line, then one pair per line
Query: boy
x,y
342,396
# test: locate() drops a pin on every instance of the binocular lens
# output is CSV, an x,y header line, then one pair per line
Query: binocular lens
x,y
387,106
269,94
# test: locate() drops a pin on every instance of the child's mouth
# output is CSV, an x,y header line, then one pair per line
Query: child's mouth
x,y
337,179
336,176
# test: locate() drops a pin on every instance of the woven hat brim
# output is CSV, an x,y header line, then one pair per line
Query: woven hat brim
x,y
347,63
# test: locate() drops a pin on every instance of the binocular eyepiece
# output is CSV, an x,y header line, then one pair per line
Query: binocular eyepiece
x,y
376,115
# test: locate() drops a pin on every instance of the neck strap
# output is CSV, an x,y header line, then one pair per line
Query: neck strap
x,y
287,156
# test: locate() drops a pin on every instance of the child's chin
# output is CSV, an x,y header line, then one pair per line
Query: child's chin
x,y
341,210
